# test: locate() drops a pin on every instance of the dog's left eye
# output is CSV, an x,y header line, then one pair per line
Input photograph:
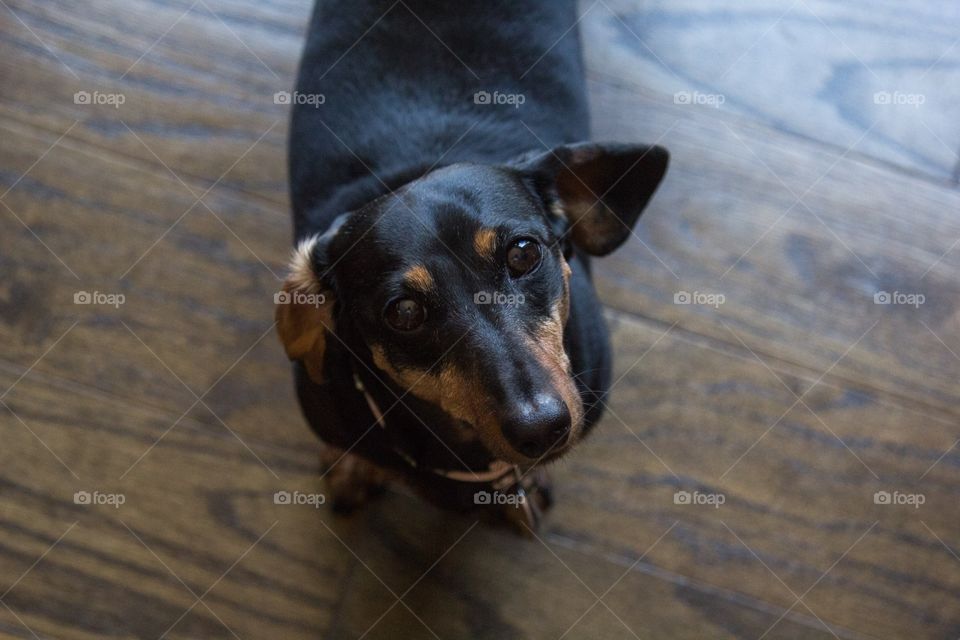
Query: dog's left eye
x,y
405,314
523,256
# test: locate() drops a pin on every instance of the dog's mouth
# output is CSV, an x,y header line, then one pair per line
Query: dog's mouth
x,y
555,454
511,455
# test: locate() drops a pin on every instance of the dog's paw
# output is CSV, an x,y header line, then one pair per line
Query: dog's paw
x,y
351,480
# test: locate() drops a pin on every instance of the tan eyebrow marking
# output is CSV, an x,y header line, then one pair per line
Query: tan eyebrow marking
x,y
485,243
418,278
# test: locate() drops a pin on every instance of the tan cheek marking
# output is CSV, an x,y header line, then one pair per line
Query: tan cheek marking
x,y
450,390
485,243
417,277
455,393
464,399
412,380
564,305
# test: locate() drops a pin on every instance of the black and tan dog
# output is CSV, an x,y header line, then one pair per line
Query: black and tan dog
x,y
439,310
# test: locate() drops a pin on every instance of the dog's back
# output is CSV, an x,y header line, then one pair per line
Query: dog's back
x,y
405,86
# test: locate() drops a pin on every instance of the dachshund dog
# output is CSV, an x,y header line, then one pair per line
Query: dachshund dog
x,y
439,311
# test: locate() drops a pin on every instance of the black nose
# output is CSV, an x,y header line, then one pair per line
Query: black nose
x,y
533,428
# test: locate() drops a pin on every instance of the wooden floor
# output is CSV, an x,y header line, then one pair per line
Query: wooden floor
x,y
815,164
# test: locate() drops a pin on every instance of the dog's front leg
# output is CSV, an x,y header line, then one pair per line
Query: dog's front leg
x,y
351,480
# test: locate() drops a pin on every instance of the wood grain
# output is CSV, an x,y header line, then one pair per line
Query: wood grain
x,y
799,278
811,69
197,78
199,501
798,478
187,317
707,402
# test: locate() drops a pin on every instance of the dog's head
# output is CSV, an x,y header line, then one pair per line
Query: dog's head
x,y
458,285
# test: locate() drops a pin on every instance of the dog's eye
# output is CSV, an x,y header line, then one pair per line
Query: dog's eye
x,y
523,256
405,314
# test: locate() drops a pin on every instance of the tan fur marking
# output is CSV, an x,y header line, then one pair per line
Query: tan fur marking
x,y
456,394
463,398
301,276
556,208
306,313
417,277
485,243
546,345
422,384
565,299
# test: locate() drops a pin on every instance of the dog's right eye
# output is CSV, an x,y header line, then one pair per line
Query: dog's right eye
x,y
405,314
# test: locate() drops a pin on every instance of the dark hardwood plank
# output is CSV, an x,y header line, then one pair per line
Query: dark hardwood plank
x,y
814,249
179,326
799,279
798,481
198,501
810,68
197,79
797,500
491,585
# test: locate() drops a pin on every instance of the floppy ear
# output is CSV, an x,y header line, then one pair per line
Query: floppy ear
x,y
304,306
600,189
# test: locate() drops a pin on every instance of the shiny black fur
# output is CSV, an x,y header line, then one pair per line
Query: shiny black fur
x,y
400,104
